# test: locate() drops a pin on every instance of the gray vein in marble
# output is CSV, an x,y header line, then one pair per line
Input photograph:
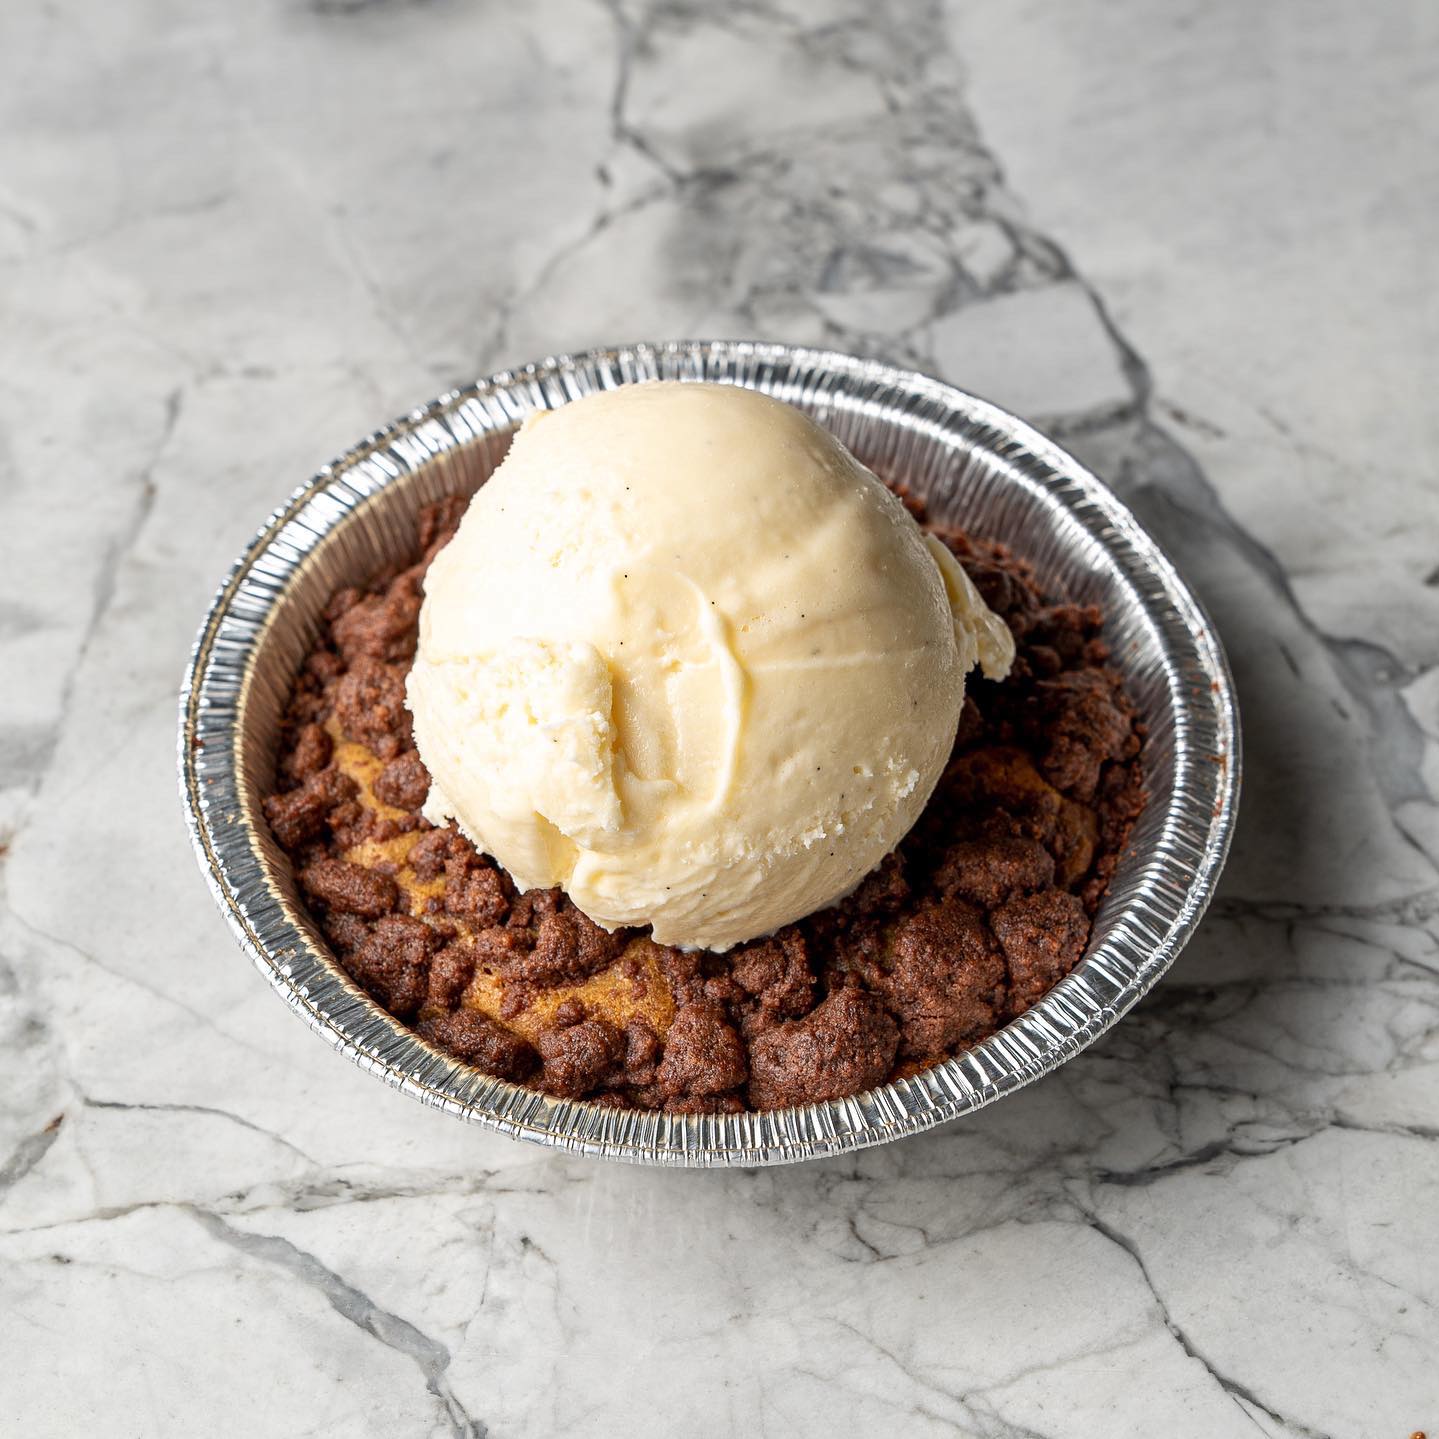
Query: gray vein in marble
x,y
431,1358
1244,1398
208,1109
340,9
199,1016
28,1153
1368,672
108,571
626,40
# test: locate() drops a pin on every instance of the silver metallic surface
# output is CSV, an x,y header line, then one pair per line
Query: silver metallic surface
x,y
972,463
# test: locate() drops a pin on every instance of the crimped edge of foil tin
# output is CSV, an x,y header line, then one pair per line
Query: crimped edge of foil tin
x,y
1143,931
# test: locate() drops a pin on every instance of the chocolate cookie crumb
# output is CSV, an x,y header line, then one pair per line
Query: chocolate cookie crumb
x,y
845,1045
430,854
988,872
478,1040
350,888
1043,938
775,978
642,1053
451,971
346,932
475,889
303,813
382,626
703,1054
981,909
404,782
370,706
576,1058
1084,728
571,1011
309,753
392,963
945,983
568,946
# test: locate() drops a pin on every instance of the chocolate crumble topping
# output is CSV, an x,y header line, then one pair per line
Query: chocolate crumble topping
x,y
982,909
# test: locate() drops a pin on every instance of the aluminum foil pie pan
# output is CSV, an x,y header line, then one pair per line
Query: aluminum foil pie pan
x,y
970,461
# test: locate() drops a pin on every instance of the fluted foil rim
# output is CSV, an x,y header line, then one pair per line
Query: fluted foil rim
x,y
951,447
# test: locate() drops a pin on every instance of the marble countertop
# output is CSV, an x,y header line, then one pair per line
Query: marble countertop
x,y
1195,241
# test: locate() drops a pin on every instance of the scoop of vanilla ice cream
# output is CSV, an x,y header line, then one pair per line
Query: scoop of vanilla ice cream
x,y
689,660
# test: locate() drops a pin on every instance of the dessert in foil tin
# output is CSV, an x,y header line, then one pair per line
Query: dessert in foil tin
x,y
877,863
